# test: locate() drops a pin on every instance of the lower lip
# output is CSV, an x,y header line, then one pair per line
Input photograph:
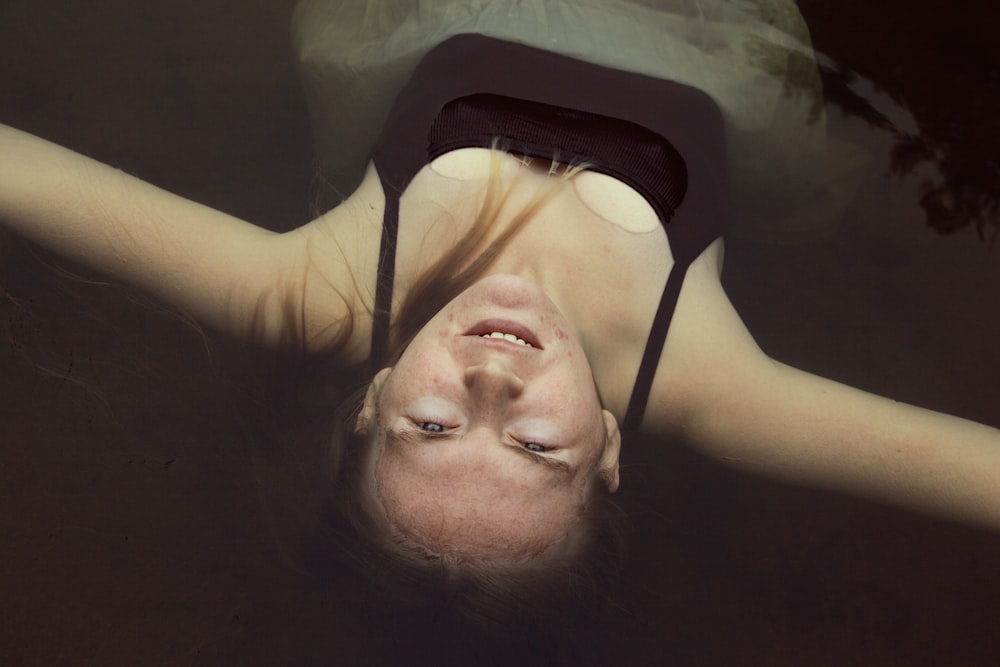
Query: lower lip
x,y
505,326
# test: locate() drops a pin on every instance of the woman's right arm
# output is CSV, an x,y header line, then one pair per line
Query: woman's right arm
x,y
730,401
231,275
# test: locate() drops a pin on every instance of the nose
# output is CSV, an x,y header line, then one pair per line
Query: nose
x,y
494,378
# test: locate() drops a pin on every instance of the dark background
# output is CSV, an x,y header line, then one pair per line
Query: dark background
x,y
130,518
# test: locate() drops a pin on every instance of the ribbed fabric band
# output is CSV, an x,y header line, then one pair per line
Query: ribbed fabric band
x,y
626,151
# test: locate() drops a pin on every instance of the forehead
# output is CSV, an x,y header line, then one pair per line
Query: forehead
x,y
469,505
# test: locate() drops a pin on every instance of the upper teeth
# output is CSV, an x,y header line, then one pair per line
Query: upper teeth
x,y
506,336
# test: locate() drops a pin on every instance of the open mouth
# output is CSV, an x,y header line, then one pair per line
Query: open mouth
x,y
506,330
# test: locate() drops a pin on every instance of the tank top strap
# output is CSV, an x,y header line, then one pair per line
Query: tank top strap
x,y
381,317
654,348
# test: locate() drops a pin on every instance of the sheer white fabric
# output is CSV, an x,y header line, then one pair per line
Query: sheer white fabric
x,y
753,57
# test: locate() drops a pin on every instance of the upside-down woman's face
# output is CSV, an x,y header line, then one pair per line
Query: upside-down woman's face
x,y
490,427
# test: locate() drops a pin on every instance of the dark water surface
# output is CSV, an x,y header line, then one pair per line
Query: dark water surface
x,y
131,527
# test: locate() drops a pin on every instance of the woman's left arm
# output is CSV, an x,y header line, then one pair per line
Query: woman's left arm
x,y
224,272
730,401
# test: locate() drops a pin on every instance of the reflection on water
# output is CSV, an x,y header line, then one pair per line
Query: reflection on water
x,y
133,532
939,65
963,191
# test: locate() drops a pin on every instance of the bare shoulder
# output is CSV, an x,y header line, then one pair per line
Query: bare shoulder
x,y
336,256
706,341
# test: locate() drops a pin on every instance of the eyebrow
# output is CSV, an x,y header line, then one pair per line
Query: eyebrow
x,y
547,461
417,437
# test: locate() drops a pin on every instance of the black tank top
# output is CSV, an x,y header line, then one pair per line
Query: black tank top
x,y
471,90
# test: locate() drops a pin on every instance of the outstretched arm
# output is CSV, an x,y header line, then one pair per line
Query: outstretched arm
x,y
730,401
228,274
793,426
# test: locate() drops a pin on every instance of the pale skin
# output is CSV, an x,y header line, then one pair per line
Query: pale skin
x,y
714,387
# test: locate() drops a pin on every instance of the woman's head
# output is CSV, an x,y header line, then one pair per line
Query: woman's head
x,y
486,448
443,505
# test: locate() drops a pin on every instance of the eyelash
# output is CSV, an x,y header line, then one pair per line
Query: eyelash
x,y
530,446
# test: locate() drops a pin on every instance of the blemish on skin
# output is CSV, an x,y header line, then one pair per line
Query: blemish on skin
x,y
451,317
560,334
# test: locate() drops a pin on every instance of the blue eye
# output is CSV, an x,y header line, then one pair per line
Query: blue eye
x,y
431,427
535,447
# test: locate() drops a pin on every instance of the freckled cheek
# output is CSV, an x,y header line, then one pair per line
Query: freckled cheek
x,y
557,331
558,398
437,375
570,396
414,380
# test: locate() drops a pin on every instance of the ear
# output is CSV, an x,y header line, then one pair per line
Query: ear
x,y
367,414
608,465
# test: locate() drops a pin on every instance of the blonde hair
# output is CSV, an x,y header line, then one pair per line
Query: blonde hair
x,y
475,252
